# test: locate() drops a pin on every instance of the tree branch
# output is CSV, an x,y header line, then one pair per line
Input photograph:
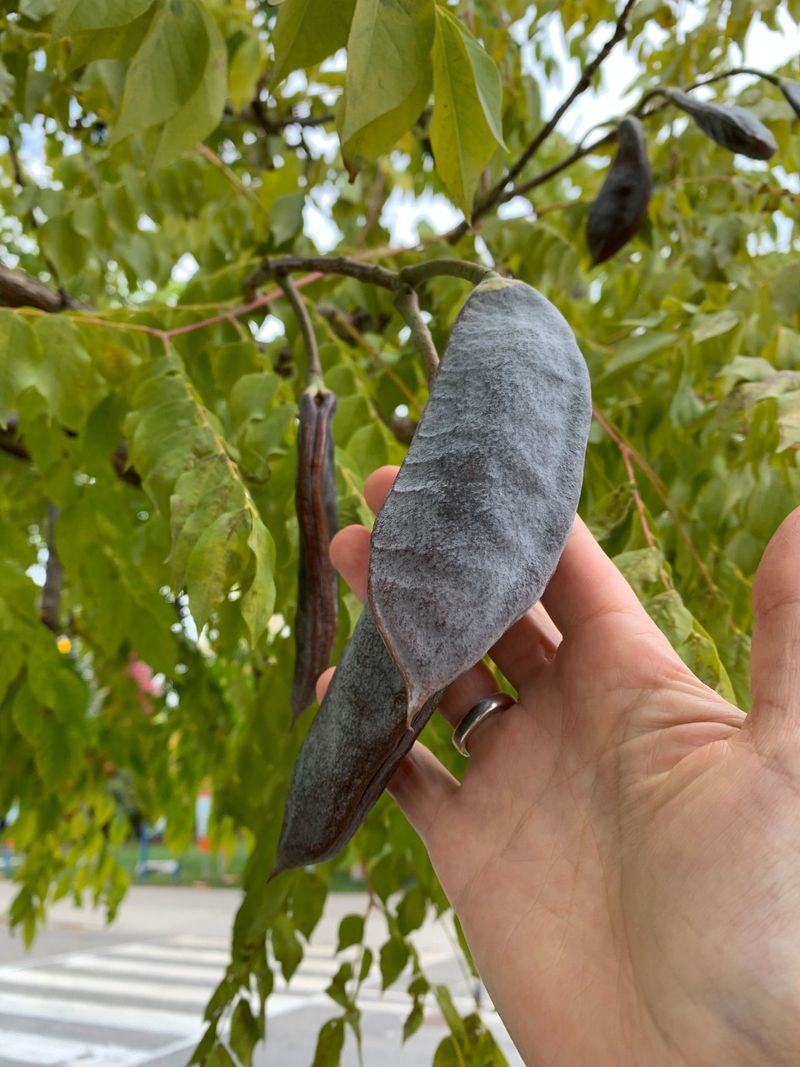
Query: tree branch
x,y
495,194
18,289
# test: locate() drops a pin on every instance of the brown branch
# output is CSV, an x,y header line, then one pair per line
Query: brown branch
x,y
272,124
407,303
495,194
18,289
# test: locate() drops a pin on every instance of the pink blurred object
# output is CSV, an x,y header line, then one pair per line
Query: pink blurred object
x,y
143,676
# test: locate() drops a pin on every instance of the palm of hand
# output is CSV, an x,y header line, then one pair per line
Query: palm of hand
x,y
622,850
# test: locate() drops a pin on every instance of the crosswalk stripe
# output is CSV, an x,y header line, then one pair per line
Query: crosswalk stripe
x,y
112,986
125,1017
195,941
58,1052
152,968
165,952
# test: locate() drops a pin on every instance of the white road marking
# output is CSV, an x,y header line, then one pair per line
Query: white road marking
x,y
58,1052
153,968
159,952
121,987
124,1017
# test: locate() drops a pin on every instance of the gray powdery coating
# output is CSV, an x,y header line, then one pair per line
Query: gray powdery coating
x,y
358,737
791,90
621,204
728,125
476,520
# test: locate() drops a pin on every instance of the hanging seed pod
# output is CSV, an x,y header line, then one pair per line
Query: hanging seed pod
x,y
465,543
728,125
317,593
791,90
621,205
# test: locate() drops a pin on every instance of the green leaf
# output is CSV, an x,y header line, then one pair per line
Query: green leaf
x,y
246,68
286,216
20,362
75,386
216,563
351,931
259,599
167,69
203,110
176,82
246,1032
715,325
330,1041
288,950
395,38
308,31
79,16
466,126
394,956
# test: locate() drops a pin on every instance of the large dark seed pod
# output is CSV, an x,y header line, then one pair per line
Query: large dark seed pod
x,y
621,205
317,594
791,90
465,543
728,125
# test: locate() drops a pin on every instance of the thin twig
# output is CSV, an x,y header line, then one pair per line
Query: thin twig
x,y
351,268
407,303
313,365
212,157
583,83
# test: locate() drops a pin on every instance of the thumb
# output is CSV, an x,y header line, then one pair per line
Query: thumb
x,y
775,658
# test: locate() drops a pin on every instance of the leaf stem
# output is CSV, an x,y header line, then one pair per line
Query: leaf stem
x,y
407,303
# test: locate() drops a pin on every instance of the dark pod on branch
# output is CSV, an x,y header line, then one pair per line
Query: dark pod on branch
x,y
466,542
621,204
791,90
728,125
317,518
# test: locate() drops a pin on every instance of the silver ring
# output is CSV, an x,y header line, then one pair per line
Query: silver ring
x,y
475,716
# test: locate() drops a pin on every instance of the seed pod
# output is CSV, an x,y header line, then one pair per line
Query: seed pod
x,y
468,537
728,125
317,593
791,90
621,205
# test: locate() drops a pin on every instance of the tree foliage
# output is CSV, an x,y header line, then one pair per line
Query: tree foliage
x,y
147,436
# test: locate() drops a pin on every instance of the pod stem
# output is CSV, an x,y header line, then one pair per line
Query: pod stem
x,y
453,268
313,365
407,303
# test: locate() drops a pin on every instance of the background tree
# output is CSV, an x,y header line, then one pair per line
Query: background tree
x,y
148,429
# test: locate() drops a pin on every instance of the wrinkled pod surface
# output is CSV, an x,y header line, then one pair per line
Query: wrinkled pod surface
x,y
465,543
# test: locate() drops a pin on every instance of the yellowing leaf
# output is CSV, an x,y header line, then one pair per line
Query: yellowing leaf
x,y
308,31
388,73
466,125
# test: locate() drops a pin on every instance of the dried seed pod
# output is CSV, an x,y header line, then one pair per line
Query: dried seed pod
x,y
791,90
317,594
621,205
467,540
728,125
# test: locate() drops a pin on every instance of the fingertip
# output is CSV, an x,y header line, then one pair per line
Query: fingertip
x,y
323,682
349,553
377,486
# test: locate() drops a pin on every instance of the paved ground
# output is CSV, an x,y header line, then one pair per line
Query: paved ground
x,y
132,995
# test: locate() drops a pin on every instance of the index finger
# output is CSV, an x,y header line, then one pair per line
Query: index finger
x,y
587,587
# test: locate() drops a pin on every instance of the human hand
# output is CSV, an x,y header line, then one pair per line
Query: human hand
x,y
623,849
